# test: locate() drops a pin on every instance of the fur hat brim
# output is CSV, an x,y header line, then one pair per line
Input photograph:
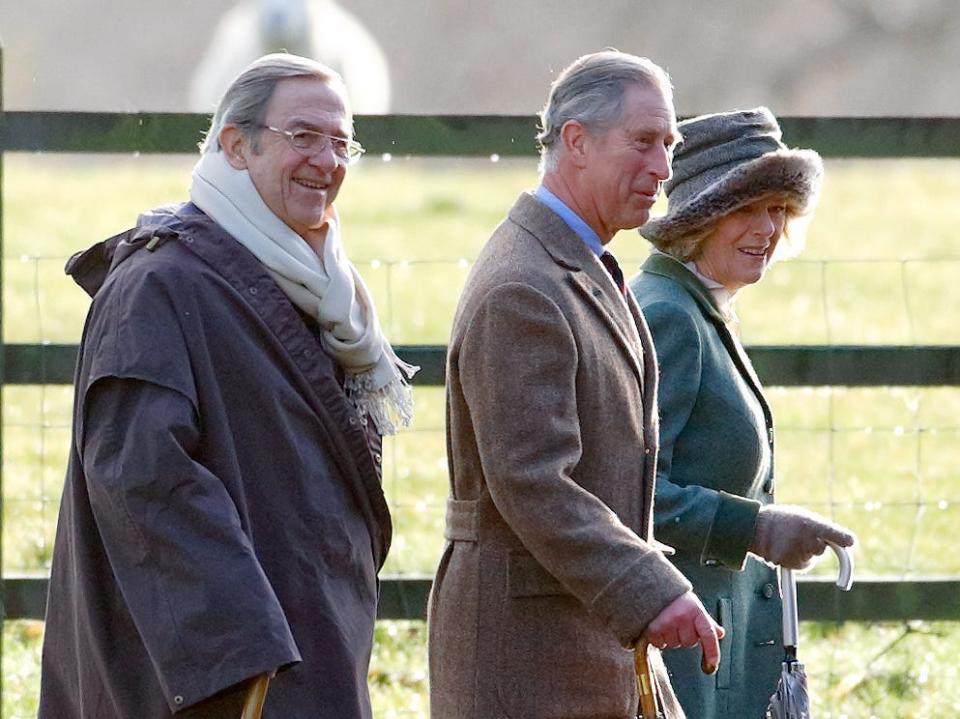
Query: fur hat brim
x,y
796,173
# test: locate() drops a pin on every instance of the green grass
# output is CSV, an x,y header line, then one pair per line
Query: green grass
x,y
902,671
880,267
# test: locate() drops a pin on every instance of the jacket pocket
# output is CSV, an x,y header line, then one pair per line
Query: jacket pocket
x,y
553,658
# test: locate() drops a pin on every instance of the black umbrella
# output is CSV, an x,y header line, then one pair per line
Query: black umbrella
x,y
792,700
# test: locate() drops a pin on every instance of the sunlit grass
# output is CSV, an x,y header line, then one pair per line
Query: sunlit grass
x,y
883,460
855,671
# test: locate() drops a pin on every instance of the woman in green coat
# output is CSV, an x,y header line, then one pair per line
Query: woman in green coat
x,y
731,199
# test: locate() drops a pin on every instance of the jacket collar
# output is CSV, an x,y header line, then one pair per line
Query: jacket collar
x,y
587,275
666,266
560,242
567,249
89,268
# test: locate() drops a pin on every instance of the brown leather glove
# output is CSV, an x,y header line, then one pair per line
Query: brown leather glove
x,y
792,536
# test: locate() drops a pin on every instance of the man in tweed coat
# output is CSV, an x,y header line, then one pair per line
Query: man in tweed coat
x,y
550,574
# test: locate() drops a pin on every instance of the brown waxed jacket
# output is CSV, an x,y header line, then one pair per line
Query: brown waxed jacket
x,y
222,514
549,571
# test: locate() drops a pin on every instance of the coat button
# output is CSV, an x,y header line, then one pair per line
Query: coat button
x,y
352,421
711,562
768,591
252,290
377,457
178,700
768,486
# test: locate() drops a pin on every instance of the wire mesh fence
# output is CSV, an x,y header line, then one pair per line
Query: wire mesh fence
x,y
882,459
864,451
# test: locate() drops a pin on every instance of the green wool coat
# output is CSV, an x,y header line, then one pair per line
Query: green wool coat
x,y
715,470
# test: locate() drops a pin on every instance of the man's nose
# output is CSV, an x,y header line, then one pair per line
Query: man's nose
x,y
660,167
325,158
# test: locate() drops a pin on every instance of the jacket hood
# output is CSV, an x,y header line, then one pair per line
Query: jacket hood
x,y
89,268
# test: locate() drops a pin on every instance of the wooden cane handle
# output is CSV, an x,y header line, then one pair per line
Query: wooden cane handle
x,y
256,696
645,683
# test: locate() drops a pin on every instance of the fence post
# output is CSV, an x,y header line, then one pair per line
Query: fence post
x,y
3,147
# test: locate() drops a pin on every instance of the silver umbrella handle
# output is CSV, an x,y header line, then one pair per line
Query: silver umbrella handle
x,y
845,578
788,586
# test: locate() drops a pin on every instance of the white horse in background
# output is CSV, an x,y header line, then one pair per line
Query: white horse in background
x,y
320,29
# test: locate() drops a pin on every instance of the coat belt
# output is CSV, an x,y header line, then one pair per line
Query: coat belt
x,y
462,520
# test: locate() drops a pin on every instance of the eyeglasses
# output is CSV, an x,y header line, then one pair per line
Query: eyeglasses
x,y
311,142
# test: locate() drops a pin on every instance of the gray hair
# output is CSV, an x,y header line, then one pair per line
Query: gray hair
x,y
244,104
590,91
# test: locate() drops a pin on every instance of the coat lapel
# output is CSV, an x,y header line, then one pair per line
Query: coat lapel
x,y
651,414
616,318
585,273
349,446
666,266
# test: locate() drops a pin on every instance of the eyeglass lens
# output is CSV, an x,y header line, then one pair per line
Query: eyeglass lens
x,y
309,141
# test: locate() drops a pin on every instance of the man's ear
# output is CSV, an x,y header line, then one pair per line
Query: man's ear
x,y
575,137
235,146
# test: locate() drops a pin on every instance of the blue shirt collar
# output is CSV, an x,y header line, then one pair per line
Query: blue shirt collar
x,y
573,220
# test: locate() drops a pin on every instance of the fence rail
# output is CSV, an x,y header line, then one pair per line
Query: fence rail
x,y
480,136
778,366
874,600
451,135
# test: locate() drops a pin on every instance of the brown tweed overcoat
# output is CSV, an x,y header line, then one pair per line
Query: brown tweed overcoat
x,y
549,571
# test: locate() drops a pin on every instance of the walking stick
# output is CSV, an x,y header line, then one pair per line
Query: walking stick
x,y
256,696
645,684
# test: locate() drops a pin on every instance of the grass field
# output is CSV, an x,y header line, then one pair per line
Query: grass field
x,y
881,266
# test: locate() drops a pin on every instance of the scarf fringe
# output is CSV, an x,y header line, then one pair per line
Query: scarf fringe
x,y
388,406
326,286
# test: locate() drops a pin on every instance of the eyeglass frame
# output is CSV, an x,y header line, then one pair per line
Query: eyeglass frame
x,y
349,143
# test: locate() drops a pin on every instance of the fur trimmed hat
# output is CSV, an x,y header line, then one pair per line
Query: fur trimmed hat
x,y
725,161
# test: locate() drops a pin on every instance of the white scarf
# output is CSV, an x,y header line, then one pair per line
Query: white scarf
x,y
328,289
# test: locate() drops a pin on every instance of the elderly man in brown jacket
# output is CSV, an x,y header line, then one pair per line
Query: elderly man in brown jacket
x,y
550,573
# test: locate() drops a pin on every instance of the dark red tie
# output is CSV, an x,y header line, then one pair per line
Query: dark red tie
x,y
613,267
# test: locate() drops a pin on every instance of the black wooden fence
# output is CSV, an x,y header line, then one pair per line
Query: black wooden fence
x,y
483,136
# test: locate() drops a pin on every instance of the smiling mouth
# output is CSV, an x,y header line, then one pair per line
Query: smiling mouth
x,y
754,252
311,185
